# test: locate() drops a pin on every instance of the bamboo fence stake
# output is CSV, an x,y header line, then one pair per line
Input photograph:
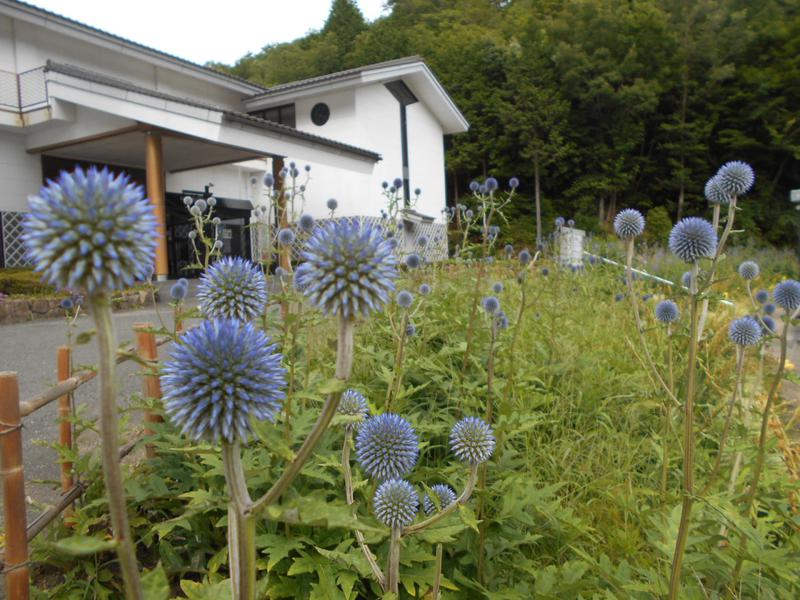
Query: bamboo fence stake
x,y
151,385
64,372
13,475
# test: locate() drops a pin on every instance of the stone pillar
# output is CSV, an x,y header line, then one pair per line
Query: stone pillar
x,y
154,164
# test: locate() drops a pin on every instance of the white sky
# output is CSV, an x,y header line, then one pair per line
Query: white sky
x,y
199,30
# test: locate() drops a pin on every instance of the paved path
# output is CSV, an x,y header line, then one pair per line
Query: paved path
x,y
30,350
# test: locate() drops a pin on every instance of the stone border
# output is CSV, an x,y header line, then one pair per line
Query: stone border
x,y
22,310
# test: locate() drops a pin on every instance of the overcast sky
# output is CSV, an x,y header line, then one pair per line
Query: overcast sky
x,y
201,30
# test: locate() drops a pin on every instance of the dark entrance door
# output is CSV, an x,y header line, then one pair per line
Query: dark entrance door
x,y
234,231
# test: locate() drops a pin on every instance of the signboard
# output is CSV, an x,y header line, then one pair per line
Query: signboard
x,y
794,196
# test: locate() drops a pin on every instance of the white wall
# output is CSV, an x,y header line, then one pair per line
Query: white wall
x,y
241,181
426,159
21,172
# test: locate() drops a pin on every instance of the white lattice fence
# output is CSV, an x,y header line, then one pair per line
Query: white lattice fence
x,y
13,248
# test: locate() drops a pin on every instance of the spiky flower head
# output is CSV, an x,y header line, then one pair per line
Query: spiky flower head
x,y
405,298
396,503
545,271
413,261
686,279
445,496
735,178
491,184
473,186
411,330
513,183
179,290
509,250
286,237
571,223
769,324
525,257
714,193
472,440
490,304
769,309
762,296
667,312
629,223
559,222
745,331
66,304
422,241
787,295
306,222
398,182
749,270
349,268
497,288
619,297
222,375
386,446
233,288
90,230
424,289
353,404
693,238
332,204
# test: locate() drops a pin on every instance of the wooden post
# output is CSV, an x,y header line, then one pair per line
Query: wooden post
x,y
154,165
151,385
13,476
64,371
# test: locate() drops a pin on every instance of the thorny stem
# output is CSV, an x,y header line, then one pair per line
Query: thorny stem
x,y
241,527
462,499
101,312
762,440
688,444
667,418
344,364
393,566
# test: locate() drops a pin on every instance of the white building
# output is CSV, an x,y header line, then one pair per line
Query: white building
x,y
73,94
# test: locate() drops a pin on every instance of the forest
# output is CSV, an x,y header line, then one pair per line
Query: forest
x,y
594,105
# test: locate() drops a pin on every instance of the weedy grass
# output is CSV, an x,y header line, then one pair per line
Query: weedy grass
x,y
574,505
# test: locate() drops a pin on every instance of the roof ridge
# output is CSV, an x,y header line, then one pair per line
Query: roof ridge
x,y
74,22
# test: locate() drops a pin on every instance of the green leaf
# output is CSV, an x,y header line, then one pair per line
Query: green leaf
x,y
331,386
83,545
155,585
468,516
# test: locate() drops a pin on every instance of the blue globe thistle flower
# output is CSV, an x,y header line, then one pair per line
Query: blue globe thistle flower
x,y
306,222
424,289
762,296
283,172
490,260
787,295
292,164
201,205
469,214
224,374
667,312
473,186
647,297
392,190
497,288
619,297
491,184
280,272
233,288
445,496
749,270
212,202
513,183
769,309
216,221
745,331
525,257
90,230
417,191
573,268
386,446
494,231
187,201
307,168
501,321
385,184
66,304
769,324
332,204
482,189
218,245
472,440
693,238
560,222
413,261
353,404
178,290
545,271
405,298
735,178
592,259
349,268
398,183
396,503
192,234
714,193
571,223
629,223
411,330
509,250
295,173
686,279
422,241
490,304
286,237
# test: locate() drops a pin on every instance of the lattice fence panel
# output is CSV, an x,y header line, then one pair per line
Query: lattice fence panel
x,y
13,248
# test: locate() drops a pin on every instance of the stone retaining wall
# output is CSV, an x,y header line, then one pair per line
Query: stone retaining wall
x,y
21,310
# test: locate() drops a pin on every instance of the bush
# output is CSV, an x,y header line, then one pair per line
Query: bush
x,y
24,282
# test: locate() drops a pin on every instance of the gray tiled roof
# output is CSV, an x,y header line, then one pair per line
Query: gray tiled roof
x,y
230,115
172,57
313,81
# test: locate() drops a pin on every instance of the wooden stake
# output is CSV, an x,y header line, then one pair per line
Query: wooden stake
x,y
13,475
151,385
64,372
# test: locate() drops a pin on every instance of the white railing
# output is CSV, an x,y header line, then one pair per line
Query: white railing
x,y
20,92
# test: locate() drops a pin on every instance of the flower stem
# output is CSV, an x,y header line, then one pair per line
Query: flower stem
x,y
101,312
465,495
688,444
437,577
393,566
241,527
397,374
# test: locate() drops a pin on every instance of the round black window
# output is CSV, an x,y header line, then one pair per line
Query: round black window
x,y
320,114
